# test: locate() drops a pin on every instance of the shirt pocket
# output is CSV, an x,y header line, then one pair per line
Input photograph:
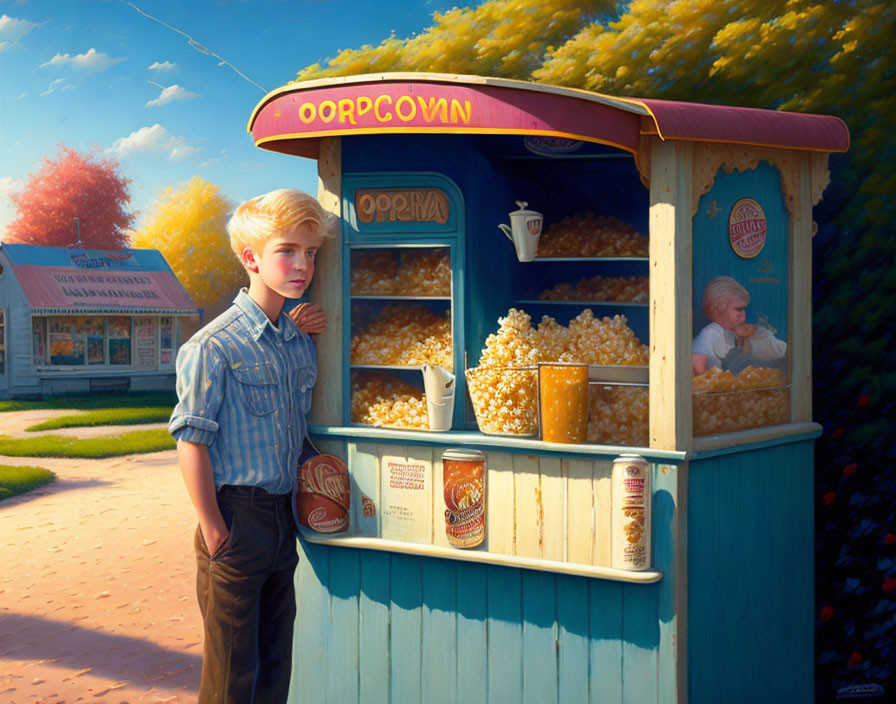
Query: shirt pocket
x,y
258,387
304,384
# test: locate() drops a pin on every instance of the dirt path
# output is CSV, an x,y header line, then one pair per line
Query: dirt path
x,y
97,590
14,424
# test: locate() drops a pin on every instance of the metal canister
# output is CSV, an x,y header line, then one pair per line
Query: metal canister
x,y
631,513
463,473
323,499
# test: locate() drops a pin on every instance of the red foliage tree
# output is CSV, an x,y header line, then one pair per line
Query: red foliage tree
x,y
73,185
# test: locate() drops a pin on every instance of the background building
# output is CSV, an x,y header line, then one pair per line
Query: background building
x,y
76,320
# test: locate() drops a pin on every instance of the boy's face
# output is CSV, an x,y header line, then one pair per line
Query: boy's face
x,y
286,262
732,315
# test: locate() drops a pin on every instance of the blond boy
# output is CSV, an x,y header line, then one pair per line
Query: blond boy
x,y
729,342
244,386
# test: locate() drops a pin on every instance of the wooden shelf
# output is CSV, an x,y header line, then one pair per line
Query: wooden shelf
x,y
538,301
349,541
388,367
590,259
370,297
475,439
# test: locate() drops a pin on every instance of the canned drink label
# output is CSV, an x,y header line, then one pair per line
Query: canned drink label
x,y
631,513
464,489
324,493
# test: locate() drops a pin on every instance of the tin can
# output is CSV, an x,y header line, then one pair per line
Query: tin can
x,y
463,474
324,494
631,494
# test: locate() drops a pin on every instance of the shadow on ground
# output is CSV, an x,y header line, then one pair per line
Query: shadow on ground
x,y
78,647
55,487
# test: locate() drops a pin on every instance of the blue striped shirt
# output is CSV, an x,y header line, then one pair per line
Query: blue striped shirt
x,y
244,389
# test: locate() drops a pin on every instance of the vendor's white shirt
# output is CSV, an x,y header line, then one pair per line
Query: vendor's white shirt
x,y
765,347
715,342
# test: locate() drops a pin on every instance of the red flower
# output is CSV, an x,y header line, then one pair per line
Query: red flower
x,y
855,658
828,498
889,586
850,469
826,613
838,433
863,401
890,539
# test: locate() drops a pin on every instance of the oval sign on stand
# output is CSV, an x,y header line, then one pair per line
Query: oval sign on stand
x,y
747,228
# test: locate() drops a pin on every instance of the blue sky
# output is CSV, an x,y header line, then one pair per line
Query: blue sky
x,y
101,73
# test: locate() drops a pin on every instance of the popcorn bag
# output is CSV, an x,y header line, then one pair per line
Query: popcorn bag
x,y
324,494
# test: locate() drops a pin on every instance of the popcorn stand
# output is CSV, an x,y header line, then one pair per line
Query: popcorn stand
x,y
568,365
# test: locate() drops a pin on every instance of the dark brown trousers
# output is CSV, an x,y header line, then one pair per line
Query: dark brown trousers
x,y
247,599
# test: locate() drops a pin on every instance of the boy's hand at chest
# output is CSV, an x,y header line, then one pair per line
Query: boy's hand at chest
x,y
310,318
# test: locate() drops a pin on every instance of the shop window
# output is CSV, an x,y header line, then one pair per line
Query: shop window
x,y
67,341
146,343
2,341
96,340
39,339
119,340
166,340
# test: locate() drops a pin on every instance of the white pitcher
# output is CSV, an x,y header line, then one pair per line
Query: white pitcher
x,y
524,231
438,384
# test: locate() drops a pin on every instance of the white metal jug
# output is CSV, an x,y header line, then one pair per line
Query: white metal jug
x,y
524,231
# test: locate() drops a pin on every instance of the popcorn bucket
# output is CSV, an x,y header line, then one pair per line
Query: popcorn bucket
x,y
505,399
524,231
438,384
324,494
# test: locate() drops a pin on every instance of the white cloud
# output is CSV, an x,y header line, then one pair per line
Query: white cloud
x,y
208,162
170,94
93,60
153,139
164,66
54,85
11,29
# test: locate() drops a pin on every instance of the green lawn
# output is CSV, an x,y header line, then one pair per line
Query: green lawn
x,y
18,480
107,416
102,409
134,443
94,401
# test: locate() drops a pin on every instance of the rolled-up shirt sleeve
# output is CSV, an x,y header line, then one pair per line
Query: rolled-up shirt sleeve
x,y
200,391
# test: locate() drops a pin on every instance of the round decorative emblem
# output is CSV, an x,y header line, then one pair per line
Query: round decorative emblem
x,y
747,228
551,146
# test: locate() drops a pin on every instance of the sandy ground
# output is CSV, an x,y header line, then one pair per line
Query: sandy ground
x,y
14,424
97,581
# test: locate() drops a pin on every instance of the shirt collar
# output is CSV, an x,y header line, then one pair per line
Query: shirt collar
x,y
259,322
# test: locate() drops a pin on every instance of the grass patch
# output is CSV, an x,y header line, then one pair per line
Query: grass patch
x,y
107,416
94,401
135,443
18,480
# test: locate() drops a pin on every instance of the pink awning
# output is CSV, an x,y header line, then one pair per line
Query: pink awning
x,y
58,290
770,128
294,118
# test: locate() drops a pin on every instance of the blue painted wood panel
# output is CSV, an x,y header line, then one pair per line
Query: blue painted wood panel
x,y
380,627
750,576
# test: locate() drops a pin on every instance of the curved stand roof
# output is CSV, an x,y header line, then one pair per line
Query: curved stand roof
x,y
292,119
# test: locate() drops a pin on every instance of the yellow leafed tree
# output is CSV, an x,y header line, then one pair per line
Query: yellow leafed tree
x,y
187,224
507,38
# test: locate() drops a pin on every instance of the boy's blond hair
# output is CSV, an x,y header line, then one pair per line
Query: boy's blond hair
x,y
261,218
719,292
